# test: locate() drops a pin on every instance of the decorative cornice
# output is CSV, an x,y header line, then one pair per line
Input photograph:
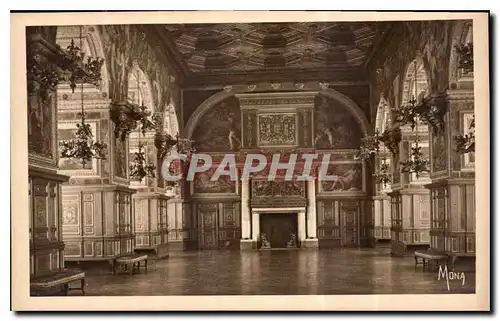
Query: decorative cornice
x,y
289,99
274,75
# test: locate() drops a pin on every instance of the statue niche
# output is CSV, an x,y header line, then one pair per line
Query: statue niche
x,y
219,129
335,127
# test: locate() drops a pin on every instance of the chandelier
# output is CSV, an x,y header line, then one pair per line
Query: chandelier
x,y
416,163
383,175
77,69
139,168
165,142
83,148
467,143
370,145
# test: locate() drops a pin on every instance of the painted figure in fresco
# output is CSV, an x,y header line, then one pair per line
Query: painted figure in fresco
x,y
345,181
324,119
204,184
335,125
234,141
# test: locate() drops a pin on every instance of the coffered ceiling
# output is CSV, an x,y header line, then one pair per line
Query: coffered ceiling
x,y
272,49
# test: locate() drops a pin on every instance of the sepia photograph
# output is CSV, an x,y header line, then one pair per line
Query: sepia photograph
x,y
286,160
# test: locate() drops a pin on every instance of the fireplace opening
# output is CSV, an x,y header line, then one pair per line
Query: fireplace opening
x,y
280,230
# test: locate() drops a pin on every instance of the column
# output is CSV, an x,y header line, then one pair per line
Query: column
x,y
245,210
302,227
255,227
311,240
246,242
311,209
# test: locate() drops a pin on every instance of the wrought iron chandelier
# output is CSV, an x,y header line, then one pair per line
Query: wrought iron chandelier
x,y
83,147
416,163
370,145
383,175
77,69
139,167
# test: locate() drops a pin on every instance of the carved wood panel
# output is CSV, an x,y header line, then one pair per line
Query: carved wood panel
x,y
277,129
207,221
338,223
350,219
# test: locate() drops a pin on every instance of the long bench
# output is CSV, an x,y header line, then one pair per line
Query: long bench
x,y
131,262
427,258
63,278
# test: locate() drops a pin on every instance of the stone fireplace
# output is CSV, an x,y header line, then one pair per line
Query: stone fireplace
x,y
280,229
278,224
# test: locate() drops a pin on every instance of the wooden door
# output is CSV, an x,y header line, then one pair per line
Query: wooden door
x,y
207,224
350,219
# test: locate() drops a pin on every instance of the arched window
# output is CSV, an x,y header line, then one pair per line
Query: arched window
x,y
170,123
383,162
139,89
139,93
415,87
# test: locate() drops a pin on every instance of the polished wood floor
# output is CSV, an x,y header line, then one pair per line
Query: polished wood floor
x,y
277,272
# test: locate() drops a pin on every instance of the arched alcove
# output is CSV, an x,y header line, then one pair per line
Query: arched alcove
x,y
334,95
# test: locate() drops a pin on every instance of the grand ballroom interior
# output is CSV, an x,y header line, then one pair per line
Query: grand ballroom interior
x,y
392,102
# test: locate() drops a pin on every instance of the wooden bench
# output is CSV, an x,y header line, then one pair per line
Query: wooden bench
x,y
63,278
131,262
454,257
425,258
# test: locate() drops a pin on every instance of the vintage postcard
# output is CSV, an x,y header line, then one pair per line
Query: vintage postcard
x,y
257,161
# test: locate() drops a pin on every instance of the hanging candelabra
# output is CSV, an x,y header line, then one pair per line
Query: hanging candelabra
x,y
139,168
383,175
370,145
416,163
83,148
77,69
467,143
165,143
